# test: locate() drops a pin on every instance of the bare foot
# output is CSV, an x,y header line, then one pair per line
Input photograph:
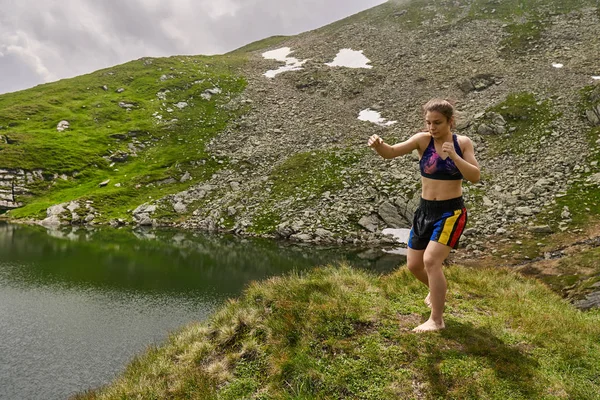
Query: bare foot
x,y
428,300
429,325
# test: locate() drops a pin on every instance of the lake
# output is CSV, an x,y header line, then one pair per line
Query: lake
x,y
77,304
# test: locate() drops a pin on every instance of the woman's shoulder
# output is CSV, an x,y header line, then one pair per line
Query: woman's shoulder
x,y
462,139
422,136
422,139
464,142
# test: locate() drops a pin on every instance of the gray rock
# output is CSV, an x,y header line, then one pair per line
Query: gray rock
x,y
142,214
186,177
180,208
485,130
466,86
168,181
127,106
482,81
370,222
301,237
390,216
595,178
323,233
75,218
592,300
496,119
540,229
62,126
56,210
471,232
143,219
525,211
297,225
593,115
406,207
119,156
53,220
284,230
73,206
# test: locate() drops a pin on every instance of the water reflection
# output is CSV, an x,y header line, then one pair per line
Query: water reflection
x,y
161,260
77,304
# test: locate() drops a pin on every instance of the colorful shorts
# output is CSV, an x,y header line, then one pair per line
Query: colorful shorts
x,y
440,221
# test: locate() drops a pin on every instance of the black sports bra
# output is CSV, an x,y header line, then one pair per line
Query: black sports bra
x,y
434,167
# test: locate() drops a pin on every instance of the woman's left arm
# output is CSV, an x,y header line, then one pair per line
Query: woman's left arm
x,y
467,164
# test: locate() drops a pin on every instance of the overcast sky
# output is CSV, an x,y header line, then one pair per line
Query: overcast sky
x,y
45,40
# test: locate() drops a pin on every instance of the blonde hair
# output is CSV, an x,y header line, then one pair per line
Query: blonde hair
x,y
442,106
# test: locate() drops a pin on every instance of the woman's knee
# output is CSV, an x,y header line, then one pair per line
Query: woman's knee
x,y
415,265
432,263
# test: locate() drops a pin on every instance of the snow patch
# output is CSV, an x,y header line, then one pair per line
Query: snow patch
x,y
351,59
401,235
375,117
291,63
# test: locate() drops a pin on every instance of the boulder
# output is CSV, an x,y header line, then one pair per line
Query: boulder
x,y
389,213
370,222
62,126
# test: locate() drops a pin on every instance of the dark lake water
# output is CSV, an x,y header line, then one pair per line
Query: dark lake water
x,y
77,305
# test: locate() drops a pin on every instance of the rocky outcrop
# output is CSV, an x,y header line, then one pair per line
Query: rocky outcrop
x,y
593,112
71,213
14,184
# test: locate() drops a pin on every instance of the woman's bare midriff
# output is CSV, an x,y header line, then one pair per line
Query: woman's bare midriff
x,y
433,189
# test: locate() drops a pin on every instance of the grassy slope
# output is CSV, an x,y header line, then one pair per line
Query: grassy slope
x,y
29,118
339,333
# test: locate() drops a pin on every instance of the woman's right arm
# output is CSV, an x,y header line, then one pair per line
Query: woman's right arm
x,y
399,149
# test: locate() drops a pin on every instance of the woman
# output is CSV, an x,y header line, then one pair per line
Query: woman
x,y
445,160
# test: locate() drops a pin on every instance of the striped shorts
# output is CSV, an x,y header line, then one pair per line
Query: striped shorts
x,y
441,221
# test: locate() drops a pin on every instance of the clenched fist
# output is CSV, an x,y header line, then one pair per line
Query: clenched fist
x,y
375,141
449,149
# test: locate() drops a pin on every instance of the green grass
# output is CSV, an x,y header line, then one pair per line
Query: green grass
x,y
336,333
265,221
302,178
261,45
522,37
166,148
312,173
530,120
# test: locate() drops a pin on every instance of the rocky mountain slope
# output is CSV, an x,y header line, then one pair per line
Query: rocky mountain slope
x,y
212,143
301,168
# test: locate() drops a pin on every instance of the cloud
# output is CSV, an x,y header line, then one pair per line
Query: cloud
x,y
54,39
